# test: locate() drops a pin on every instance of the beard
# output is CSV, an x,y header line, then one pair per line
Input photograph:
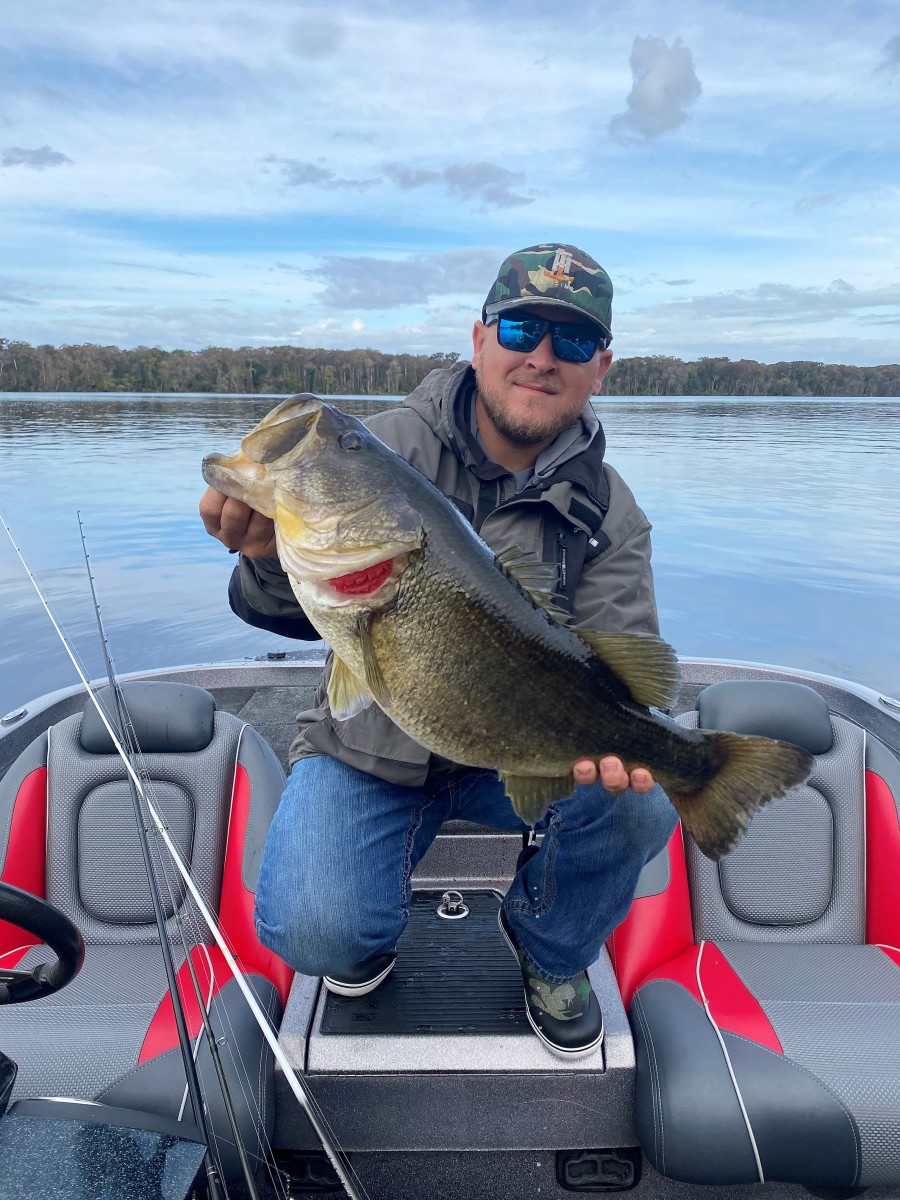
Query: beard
x,y
524,429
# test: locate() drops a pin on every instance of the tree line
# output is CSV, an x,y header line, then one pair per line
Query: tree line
x,y
289,369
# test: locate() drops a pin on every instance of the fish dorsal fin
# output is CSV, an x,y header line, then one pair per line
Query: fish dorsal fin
x,y
647,665
346,695
535,578
375,681
532,795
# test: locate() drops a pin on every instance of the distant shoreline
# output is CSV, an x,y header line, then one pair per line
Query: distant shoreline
x,y
284,370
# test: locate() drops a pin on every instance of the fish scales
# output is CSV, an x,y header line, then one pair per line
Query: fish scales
x,y
423,621
528,668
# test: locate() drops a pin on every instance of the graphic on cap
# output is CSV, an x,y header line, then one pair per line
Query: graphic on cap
x,y
559,266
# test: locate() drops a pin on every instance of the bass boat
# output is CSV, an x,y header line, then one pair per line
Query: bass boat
x,y
751,1006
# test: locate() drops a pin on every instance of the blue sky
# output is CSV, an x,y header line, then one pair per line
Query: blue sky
x,y
228,173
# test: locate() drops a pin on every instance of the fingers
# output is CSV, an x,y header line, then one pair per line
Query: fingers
x,y
612,774
236,525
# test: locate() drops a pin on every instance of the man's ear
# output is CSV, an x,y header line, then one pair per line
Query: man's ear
x,y
603,365
479,332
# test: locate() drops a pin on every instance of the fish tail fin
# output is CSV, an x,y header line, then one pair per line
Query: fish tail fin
x,y
747,773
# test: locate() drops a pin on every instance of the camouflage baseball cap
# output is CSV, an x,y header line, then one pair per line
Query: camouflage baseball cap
x,y
560,276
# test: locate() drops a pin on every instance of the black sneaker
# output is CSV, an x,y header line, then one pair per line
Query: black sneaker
x,y
363,978
565,1016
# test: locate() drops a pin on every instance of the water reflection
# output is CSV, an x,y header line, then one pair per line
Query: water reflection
x,y
776,526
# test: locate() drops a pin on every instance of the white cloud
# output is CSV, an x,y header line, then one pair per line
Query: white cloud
x,y
890,56
665,86
481,180
37,160
808,204
301,174
381,283
316,37
780,302
9,289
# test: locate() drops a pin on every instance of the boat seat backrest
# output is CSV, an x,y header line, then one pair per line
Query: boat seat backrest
x,y
798,875
95,869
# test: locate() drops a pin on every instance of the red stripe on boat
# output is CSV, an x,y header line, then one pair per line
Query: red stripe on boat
x,y
732,1005
358,583
656,929
236,906
25,865
882,863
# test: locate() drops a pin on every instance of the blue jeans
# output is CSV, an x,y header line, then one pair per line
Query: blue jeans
x,y
334,882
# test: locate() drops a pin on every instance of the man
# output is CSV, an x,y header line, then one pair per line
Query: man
x,y
513,441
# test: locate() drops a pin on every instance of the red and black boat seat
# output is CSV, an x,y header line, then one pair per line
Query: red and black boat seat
x,y
764,990
67,834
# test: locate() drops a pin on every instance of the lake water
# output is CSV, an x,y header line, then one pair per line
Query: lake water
x,y
776,529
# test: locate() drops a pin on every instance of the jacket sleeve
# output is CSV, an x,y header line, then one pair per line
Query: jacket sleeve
x,y
260,594
616,591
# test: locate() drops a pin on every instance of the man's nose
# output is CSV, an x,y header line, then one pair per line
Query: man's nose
x,y
542,357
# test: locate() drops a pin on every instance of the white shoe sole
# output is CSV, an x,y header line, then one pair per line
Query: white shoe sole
x,y
559,1051
357,989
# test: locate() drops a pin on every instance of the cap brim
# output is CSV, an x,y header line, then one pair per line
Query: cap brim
x,y
502,306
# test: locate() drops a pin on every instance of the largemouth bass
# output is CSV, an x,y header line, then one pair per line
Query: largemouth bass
x,y
462,649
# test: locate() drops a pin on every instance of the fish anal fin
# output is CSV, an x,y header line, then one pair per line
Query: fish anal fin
x,y
346,695
647,665
532,795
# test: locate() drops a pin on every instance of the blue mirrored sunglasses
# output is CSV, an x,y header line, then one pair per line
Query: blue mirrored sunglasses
x,y
571,342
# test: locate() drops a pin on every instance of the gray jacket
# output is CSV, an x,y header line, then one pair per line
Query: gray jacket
x,y
575,510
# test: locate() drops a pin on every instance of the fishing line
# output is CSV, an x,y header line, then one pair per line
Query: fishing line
x,y
214,1174
317,1119
189,1050
191,938
191,935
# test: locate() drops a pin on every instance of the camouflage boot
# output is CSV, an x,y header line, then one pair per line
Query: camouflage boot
x,y
565,1016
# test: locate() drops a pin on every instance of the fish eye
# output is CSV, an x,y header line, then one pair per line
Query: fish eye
x,y
350,441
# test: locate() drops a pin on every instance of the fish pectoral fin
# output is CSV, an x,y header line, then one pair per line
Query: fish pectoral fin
x,y
647,665
532,795
346,695
375,680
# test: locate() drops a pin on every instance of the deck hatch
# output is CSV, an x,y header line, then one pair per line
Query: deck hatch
x,y
450,977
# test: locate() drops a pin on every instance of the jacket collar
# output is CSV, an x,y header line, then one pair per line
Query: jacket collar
x,y
444,399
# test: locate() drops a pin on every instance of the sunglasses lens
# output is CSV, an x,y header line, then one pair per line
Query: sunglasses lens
x,y
574,343
522,335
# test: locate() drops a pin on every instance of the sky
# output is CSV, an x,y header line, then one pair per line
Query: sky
x,y
231,173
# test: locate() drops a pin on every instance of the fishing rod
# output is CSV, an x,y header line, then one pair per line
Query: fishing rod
x,y
344,1170
127,736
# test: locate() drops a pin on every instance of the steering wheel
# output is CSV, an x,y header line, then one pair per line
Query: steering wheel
x,y
53,928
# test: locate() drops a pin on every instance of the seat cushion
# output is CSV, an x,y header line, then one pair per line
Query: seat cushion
x,y
110,1036
792,1073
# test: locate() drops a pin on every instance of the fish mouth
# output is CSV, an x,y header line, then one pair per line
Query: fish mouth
x,y
342,571
283,434
370,585
317,547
